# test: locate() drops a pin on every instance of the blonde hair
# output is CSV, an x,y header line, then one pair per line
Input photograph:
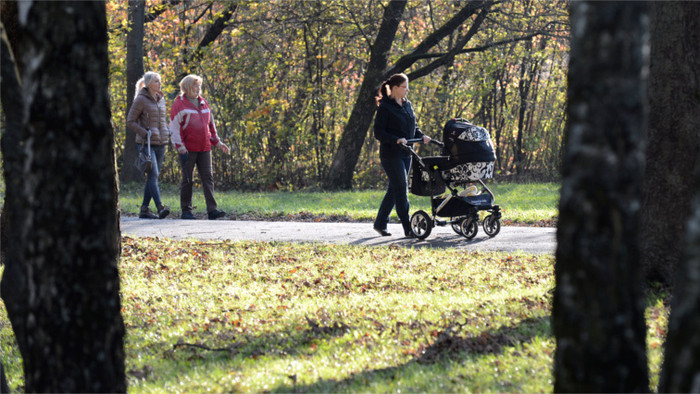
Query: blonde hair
x,y
145,81
189,81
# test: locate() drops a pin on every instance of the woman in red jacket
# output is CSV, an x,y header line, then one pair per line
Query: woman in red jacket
x,y
193,134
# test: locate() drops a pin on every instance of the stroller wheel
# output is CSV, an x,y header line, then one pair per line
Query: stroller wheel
x,y
421,224
491,225
469,228
457,225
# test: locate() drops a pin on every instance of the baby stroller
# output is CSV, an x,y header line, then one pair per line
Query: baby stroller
x,y
467,159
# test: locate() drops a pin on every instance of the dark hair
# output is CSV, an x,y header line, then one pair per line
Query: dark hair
x,y
394,80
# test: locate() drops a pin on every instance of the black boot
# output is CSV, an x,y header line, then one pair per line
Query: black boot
x,y
146,213
163,211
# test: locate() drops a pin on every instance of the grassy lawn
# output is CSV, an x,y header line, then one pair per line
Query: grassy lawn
x,y
533,204
251,316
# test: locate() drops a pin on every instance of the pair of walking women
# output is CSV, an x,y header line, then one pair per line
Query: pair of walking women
x,y
191,130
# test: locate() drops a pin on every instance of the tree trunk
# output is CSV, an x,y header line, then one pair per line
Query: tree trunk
x,y
598,306
61,284
673,149
14,292
682,349
350,146
134,71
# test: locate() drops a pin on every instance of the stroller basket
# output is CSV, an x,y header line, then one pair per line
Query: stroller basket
x,y
424,179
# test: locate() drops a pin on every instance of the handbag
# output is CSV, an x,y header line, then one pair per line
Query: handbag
x,y
144,162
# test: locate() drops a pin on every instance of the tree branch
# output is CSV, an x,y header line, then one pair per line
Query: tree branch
x,y
434,38
210,36
213,33
423,71
449,56
156,11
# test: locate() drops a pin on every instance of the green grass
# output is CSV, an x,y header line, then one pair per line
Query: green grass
x,y
534,204
251,316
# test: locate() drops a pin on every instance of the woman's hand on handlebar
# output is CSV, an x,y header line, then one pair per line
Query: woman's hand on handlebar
x,y
426,139
402,141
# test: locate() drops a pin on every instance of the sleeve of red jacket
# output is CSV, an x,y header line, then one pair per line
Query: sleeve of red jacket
x,y
176,115
212,128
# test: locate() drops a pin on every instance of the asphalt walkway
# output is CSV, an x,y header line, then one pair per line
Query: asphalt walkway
x,y
526,239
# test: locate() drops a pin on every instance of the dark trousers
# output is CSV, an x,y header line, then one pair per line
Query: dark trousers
x,y
203,162
396,169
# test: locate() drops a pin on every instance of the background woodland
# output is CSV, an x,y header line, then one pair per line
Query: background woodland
x,y
283,78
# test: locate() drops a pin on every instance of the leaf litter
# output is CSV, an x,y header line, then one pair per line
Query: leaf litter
x,y
265,302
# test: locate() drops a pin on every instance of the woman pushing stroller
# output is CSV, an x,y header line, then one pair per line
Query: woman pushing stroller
x,y
394,124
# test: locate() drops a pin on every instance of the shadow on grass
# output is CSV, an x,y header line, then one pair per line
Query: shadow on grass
x,y
448,347
299,339
290,342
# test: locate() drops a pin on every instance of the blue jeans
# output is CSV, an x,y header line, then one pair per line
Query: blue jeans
x,y
396,169
151,191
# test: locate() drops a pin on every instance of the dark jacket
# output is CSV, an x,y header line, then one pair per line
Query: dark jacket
x,y
394,121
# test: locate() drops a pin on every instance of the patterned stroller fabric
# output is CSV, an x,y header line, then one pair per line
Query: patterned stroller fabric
x,y
471,152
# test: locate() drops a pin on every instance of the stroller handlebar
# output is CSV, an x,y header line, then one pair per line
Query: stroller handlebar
x,y
420,140
413,153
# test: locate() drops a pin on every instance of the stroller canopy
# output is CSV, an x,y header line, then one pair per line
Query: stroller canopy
x,y
467,143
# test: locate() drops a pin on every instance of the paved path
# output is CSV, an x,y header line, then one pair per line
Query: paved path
x,y
526,239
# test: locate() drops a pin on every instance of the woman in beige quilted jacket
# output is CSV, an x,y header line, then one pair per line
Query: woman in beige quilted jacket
x,y
148,115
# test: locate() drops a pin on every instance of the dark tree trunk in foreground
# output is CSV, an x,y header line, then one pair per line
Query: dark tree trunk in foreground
x,y
61,284
134,71
682,361
598,306
9,86
679,119
673,148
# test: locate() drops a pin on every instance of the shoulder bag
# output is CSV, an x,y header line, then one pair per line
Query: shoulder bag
x,y
144,161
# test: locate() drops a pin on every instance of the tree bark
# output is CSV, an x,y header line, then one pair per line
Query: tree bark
x,y
679,373
674,131
61,284
12,292
677,45
350,146
598,305
134,71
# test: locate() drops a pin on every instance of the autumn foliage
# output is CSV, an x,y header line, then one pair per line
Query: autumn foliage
x,y
282,77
